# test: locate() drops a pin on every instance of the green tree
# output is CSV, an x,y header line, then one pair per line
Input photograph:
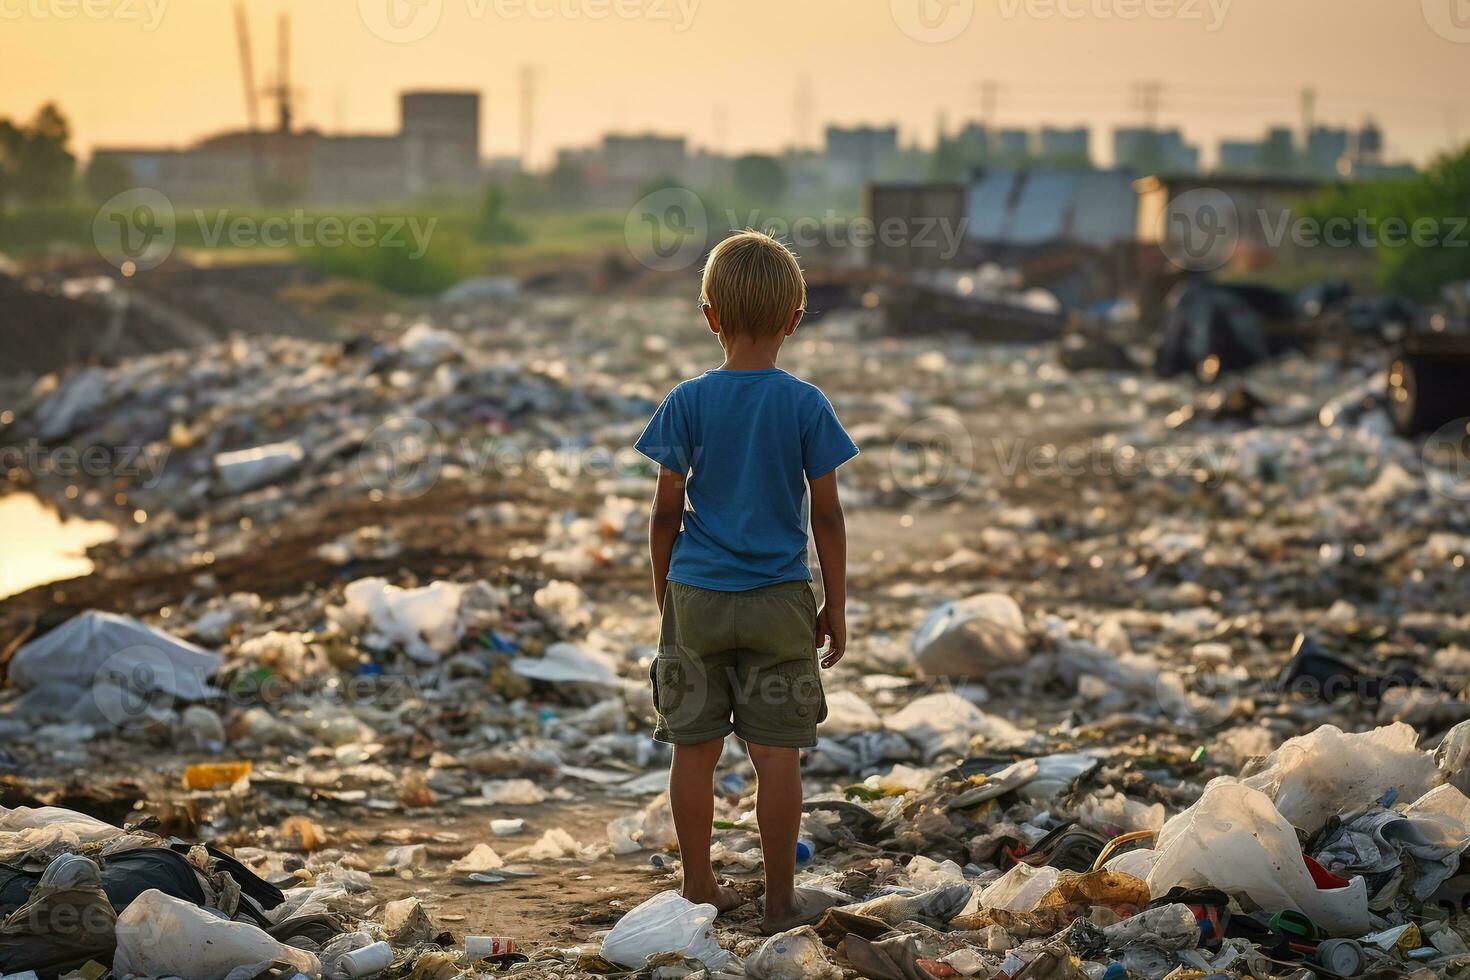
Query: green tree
x,y
1415,226
36,166
760,177
494,227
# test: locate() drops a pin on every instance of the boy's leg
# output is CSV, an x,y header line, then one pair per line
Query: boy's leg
x,y
778,814
692,800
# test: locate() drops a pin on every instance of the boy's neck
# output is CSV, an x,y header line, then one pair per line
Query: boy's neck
x,y
750,356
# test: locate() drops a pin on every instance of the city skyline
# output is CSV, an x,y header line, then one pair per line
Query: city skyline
x,y
742,91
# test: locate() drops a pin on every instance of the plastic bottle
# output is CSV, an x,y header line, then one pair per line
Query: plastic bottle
x,y
804,850
478,948
367,961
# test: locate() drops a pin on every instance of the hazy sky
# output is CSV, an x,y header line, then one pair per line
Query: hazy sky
x,y
164,71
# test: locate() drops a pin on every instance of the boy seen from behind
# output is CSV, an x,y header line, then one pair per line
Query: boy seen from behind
x,y
746,452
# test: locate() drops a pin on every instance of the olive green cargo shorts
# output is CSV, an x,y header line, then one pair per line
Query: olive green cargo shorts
x,y
742,662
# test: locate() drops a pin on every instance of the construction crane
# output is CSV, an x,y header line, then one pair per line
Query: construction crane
x,y
281,91
252,103
247,67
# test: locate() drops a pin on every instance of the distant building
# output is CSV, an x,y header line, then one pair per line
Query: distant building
x,y
633,160
1148,150
442,130
703,168
974,141
1327,151
1069,146
1328,154
437,149
1239,157
860,155
1278,152
354,169
1011,147
1262,204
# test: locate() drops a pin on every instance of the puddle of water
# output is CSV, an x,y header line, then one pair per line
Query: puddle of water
x,y
37,546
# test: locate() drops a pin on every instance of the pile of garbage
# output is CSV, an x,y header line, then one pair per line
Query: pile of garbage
x,y
1147,680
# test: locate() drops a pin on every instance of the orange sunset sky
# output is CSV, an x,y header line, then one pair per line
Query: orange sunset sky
x,y
725,72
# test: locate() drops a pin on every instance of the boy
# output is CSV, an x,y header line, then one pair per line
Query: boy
x,y
744,451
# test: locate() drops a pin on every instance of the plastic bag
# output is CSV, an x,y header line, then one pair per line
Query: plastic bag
x,y
424,621
795,955
971,637
1313,777
160,936
665,923
1167,927
1233,839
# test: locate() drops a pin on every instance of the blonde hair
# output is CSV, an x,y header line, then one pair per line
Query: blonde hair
x,y
754,284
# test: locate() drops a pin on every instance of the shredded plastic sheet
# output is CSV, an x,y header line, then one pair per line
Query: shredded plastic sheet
x,y
1312,777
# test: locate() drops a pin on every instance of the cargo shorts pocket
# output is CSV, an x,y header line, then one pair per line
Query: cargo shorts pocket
x,y
802,685
669,685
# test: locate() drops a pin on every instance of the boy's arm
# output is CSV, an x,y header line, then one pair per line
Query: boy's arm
x,y
830,531
663,528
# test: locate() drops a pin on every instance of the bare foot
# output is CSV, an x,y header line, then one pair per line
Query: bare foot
x,y
807,906
721,896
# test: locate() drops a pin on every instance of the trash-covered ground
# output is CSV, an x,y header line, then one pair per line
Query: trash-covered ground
x,y
1145,680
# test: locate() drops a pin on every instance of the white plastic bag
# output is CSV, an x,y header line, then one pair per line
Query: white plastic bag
x,y
1233,839
665,923
424,621
1313,777
971,637
161,936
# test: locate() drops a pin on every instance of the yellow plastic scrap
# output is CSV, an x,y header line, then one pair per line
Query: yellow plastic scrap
x,y
216,775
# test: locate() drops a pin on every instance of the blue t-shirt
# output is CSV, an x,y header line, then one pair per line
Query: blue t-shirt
x,y
748,441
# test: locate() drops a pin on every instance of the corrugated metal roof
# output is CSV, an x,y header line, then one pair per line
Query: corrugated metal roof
x,y
1039,207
